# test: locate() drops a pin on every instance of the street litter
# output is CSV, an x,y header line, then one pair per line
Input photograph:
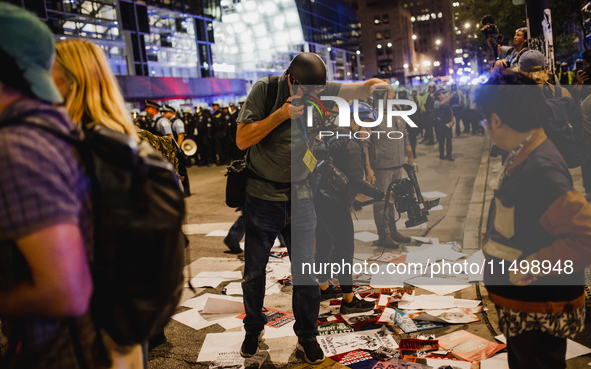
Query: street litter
x,y
367,340
452,316
275,318
232,359
469,346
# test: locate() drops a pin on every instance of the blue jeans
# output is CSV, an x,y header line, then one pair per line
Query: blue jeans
x,y
265,220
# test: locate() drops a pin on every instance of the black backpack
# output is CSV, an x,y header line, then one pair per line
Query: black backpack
x,y
139,246
565,127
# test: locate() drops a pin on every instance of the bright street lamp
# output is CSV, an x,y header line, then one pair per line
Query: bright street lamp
x,y
467,25
405,66
438,42
414,37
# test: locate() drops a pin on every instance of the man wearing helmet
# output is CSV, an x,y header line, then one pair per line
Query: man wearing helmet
x,y
270,128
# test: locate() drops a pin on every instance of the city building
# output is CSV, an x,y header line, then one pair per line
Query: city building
x,y
257,38
386,38
195,51
433,35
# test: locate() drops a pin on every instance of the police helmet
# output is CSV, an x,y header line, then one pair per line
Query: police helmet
x,y
143,114
186,109
135,111
308,69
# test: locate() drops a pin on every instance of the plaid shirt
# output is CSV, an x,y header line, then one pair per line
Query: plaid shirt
x,y
42,184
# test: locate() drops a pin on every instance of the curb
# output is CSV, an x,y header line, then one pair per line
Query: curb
x,y
477,207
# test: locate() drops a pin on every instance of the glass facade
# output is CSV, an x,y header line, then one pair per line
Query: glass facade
x,y
260,37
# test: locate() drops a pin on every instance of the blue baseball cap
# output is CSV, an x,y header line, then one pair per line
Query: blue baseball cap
x,y
531,61
30,42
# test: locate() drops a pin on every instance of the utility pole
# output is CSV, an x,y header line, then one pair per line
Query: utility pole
x,y
539,27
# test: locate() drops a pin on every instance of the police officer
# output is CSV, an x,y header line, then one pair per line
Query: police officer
x,y
152,110
429,121
203,129
163,125
219,129
135,115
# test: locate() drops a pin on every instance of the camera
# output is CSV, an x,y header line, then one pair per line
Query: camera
x,y
379,94
335,179
408,198
491,33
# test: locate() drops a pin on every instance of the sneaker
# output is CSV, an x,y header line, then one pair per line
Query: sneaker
x,y
450,158
330,292
250,346
497,168
233,249
441,157
312,352
398,237
356,306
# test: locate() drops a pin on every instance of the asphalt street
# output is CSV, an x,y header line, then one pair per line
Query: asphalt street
x,y
464,182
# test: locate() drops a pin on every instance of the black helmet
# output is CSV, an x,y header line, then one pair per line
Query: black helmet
x,y
308,69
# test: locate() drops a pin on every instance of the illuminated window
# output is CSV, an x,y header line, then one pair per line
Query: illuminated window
x,y
379,35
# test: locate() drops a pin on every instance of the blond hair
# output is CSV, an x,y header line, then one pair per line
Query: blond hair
x,y
95,97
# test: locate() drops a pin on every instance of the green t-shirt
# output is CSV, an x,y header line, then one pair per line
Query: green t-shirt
x,y
271,158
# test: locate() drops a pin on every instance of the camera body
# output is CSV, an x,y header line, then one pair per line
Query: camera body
x,y
379,94
335,179
408,198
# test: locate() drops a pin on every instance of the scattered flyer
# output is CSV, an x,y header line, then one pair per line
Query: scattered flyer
x,y
232,359
452,316
388,257
469,346
356,359
388,317
400,364
326,329
367,340
275,318
415,347
403,320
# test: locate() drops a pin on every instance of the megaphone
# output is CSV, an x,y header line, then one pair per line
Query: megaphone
x,y
189,147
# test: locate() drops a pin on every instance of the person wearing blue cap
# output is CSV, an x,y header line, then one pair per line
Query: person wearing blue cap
x,y
45,212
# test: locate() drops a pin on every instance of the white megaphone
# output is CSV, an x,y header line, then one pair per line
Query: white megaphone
x,y
189,147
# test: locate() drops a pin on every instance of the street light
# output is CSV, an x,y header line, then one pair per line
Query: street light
x,y
436,64
379,46
414,37
389,44
426,63
438,42
358,52
405,66
467,25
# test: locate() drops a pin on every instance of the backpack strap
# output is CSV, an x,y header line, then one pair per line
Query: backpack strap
x,y
271,94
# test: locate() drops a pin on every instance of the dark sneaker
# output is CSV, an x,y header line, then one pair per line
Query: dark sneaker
x,y
441,157
450,158
312,352
233,249
330,292
398,237
250,346
356,306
